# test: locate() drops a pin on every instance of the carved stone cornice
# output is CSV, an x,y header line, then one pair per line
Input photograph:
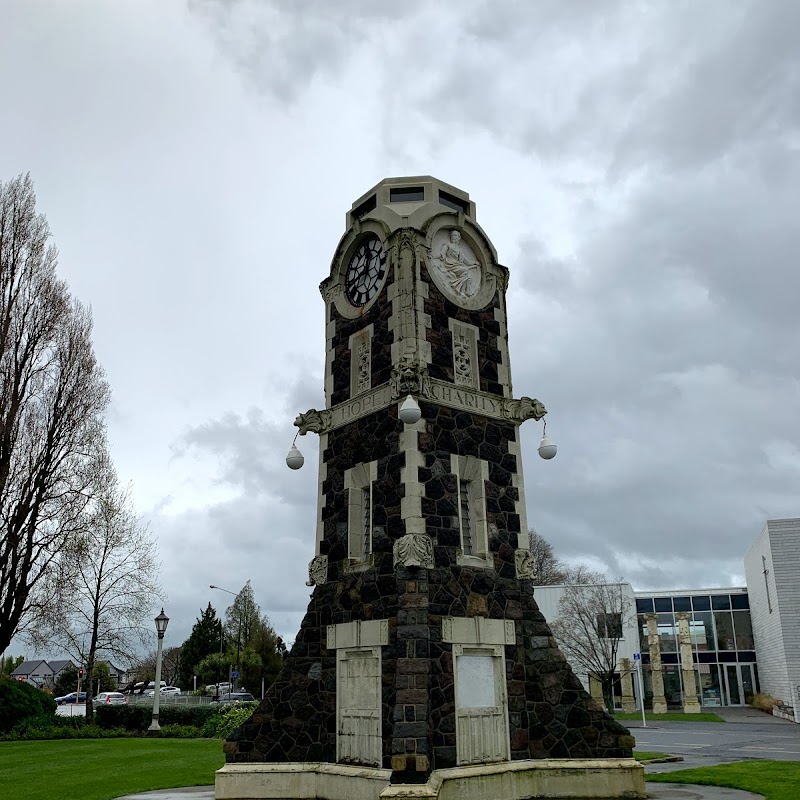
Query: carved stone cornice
x,y
411,378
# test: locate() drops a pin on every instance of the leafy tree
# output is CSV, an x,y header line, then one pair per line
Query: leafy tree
x,y
106,584
66,682
214,668
245,625
9,664
20,700
592,617
547,569
206,638
52,399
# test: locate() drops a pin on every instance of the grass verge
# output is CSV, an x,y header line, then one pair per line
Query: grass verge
x,y
673,716
101,769
776,780
644,756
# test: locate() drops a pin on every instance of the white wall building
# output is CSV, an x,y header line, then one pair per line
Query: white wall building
x,y
772,568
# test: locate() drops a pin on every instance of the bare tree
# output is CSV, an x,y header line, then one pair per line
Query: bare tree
x,y
106,585
52,399
547,569
591,622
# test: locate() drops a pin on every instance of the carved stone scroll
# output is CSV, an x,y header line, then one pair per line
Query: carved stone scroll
x,y
522,409
317,571
314,421
414,550
524,564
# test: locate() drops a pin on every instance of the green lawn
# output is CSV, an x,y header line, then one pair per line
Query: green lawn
x,y
776,780
673,716
644,756
101,769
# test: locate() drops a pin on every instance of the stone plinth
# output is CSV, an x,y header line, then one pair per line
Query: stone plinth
x,y
592,779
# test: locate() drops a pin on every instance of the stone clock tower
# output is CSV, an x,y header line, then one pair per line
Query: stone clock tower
x,y
423,648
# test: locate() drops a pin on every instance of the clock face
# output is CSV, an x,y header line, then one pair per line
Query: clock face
x,y
365,272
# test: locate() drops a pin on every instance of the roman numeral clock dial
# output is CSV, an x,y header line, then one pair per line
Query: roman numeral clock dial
x,y
366,272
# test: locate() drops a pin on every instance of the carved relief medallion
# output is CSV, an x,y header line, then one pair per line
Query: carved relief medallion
x,y
454,264
414,550
317,571
524,565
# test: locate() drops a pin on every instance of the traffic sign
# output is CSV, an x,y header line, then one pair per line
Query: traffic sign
x,y
235,673
637,656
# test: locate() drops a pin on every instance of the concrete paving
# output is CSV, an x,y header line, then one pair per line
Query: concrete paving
x,y
655,791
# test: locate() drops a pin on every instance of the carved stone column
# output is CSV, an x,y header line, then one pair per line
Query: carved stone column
x,y
628,700
596,689
657,671
691,705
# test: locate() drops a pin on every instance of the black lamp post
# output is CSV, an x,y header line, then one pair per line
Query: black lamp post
x,y
162,620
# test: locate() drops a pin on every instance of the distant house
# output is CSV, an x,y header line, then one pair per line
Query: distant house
x,y
38,673
119,676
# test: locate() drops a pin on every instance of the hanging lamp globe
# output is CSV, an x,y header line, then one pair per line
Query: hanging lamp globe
x,y
547,448
410,411
294,458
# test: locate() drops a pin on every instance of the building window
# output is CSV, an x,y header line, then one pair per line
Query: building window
x,y
404,194
358,482
451,201
609,625
471,476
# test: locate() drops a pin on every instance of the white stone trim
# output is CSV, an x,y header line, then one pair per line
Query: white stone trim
x,y
466,367
478,630
518,482
360,344
411,502
330,354
358,482
322,476
504,367
475,472
361,633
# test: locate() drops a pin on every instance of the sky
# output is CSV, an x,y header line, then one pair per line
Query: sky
x,y
636,165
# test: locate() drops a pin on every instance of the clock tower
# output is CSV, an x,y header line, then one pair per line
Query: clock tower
x,y
423,648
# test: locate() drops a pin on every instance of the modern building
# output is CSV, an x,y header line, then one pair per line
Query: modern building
x,y
718,645
772,570
735,641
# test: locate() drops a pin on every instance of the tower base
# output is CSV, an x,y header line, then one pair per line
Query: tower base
x,y
547,779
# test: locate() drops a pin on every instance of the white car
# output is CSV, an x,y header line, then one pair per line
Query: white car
x,y
171,690
110,698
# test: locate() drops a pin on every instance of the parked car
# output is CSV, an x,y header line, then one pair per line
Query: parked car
x,y
72,697
110,698
233,697
171,690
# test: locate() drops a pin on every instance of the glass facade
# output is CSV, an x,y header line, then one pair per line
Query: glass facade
x,y
722,645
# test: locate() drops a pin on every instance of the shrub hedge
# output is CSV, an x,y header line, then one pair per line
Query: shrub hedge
x,y
227,720
138,717
20,701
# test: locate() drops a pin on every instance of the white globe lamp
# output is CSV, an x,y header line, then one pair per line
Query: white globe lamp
x,y
294,458
410,411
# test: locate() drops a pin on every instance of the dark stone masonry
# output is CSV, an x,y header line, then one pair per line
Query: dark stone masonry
x,y
549,713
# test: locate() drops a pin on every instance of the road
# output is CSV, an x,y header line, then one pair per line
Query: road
x,y
704,743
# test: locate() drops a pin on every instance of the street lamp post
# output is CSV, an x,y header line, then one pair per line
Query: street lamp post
x,y
162,620
238,632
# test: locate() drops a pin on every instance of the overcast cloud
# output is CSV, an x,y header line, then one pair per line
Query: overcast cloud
x,y
637,165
